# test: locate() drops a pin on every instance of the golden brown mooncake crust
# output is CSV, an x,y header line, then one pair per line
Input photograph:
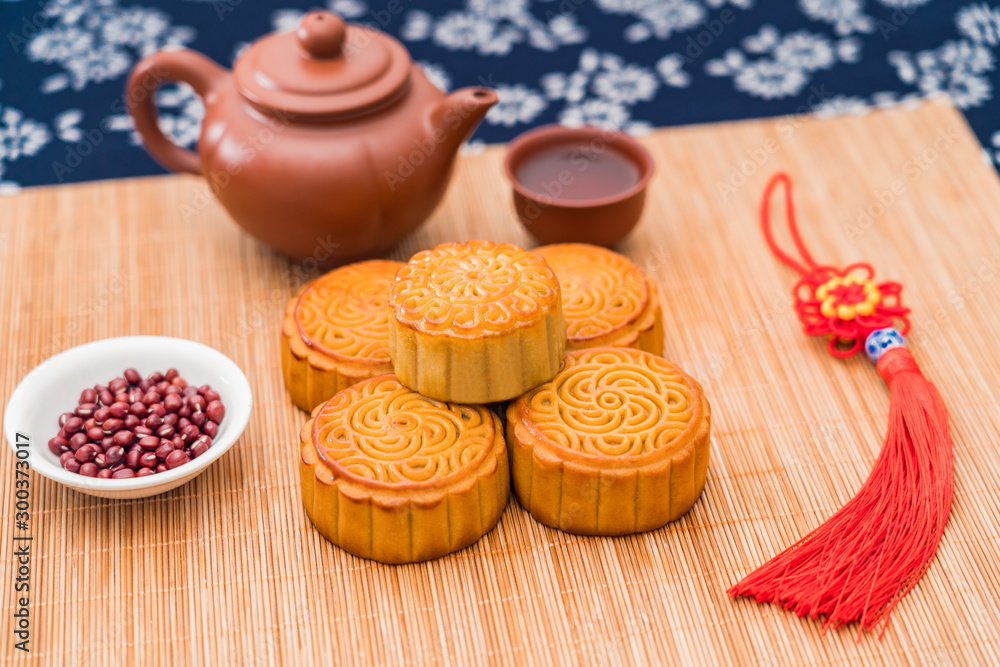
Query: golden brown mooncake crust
x,y
617,442
475,322
397,477
607,299
335,331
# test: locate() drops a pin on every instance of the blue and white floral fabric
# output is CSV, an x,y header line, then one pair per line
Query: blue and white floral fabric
x,y
630,64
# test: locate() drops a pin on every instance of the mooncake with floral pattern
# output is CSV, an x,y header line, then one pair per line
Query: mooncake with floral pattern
x,y
335,331
617,442
607,300
475,322
394,476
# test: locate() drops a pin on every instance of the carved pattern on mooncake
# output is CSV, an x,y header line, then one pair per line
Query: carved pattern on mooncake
x,y
473,289
616,443
343,313
613,402
383,432
602,291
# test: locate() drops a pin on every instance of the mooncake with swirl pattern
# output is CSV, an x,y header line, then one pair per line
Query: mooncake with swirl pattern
x,y
475,322
607,300
397,477
335,331
617,442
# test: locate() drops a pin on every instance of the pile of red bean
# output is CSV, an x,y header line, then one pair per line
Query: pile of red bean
x,y
133,427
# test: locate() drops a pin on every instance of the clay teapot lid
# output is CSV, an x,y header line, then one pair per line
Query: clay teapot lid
x,y
324,67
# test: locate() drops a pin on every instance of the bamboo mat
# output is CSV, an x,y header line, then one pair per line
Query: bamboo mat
x,y
228,570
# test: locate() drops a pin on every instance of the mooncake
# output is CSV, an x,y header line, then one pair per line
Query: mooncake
x,y
607,300
617,442
335,332
475,322
397,477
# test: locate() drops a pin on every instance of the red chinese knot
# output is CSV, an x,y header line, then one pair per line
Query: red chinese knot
x,y
843,304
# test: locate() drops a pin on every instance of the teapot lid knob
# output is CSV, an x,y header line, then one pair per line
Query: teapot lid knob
x,y
321,34
323,68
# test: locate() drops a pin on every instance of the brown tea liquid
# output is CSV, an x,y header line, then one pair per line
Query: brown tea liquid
x,y
577,172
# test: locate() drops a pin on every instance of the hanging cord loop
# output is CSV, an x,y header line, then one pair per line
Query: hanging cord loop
x,y
845,305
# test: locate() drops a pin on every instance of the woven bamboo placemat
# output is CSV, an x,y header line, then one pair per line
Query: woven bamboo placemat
x,y
228,570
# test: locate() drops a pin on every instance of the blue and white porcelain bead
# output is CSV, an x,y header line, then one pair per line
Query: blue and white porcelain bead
x,y
881,341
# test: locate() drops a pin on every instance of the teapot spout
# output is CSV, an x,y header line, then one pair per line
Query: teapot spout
x,y
457,115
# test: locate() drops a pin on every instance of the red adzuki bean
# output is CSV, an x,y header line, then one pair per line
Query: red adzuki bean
x,y
132,459
77,441
135,426
176,459
149,443
114,456
58,445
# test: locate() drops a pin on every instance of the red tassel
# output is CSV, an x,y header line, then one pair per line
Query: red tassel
x,y
857,565
873,551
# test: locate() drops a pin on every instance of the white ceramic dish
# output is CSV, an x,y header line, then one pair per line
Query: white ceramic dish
x,y
54,387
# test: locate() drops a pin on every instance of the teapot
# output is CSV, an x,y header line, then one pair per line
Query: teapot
x,y
324,142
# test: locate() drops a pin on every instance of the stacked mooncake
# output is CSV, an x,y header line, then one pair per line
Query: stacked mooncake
x,y
476,322
402,460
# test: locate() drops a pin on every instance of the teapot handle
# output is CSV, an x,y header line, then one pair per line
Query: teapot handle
x,y
153,71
